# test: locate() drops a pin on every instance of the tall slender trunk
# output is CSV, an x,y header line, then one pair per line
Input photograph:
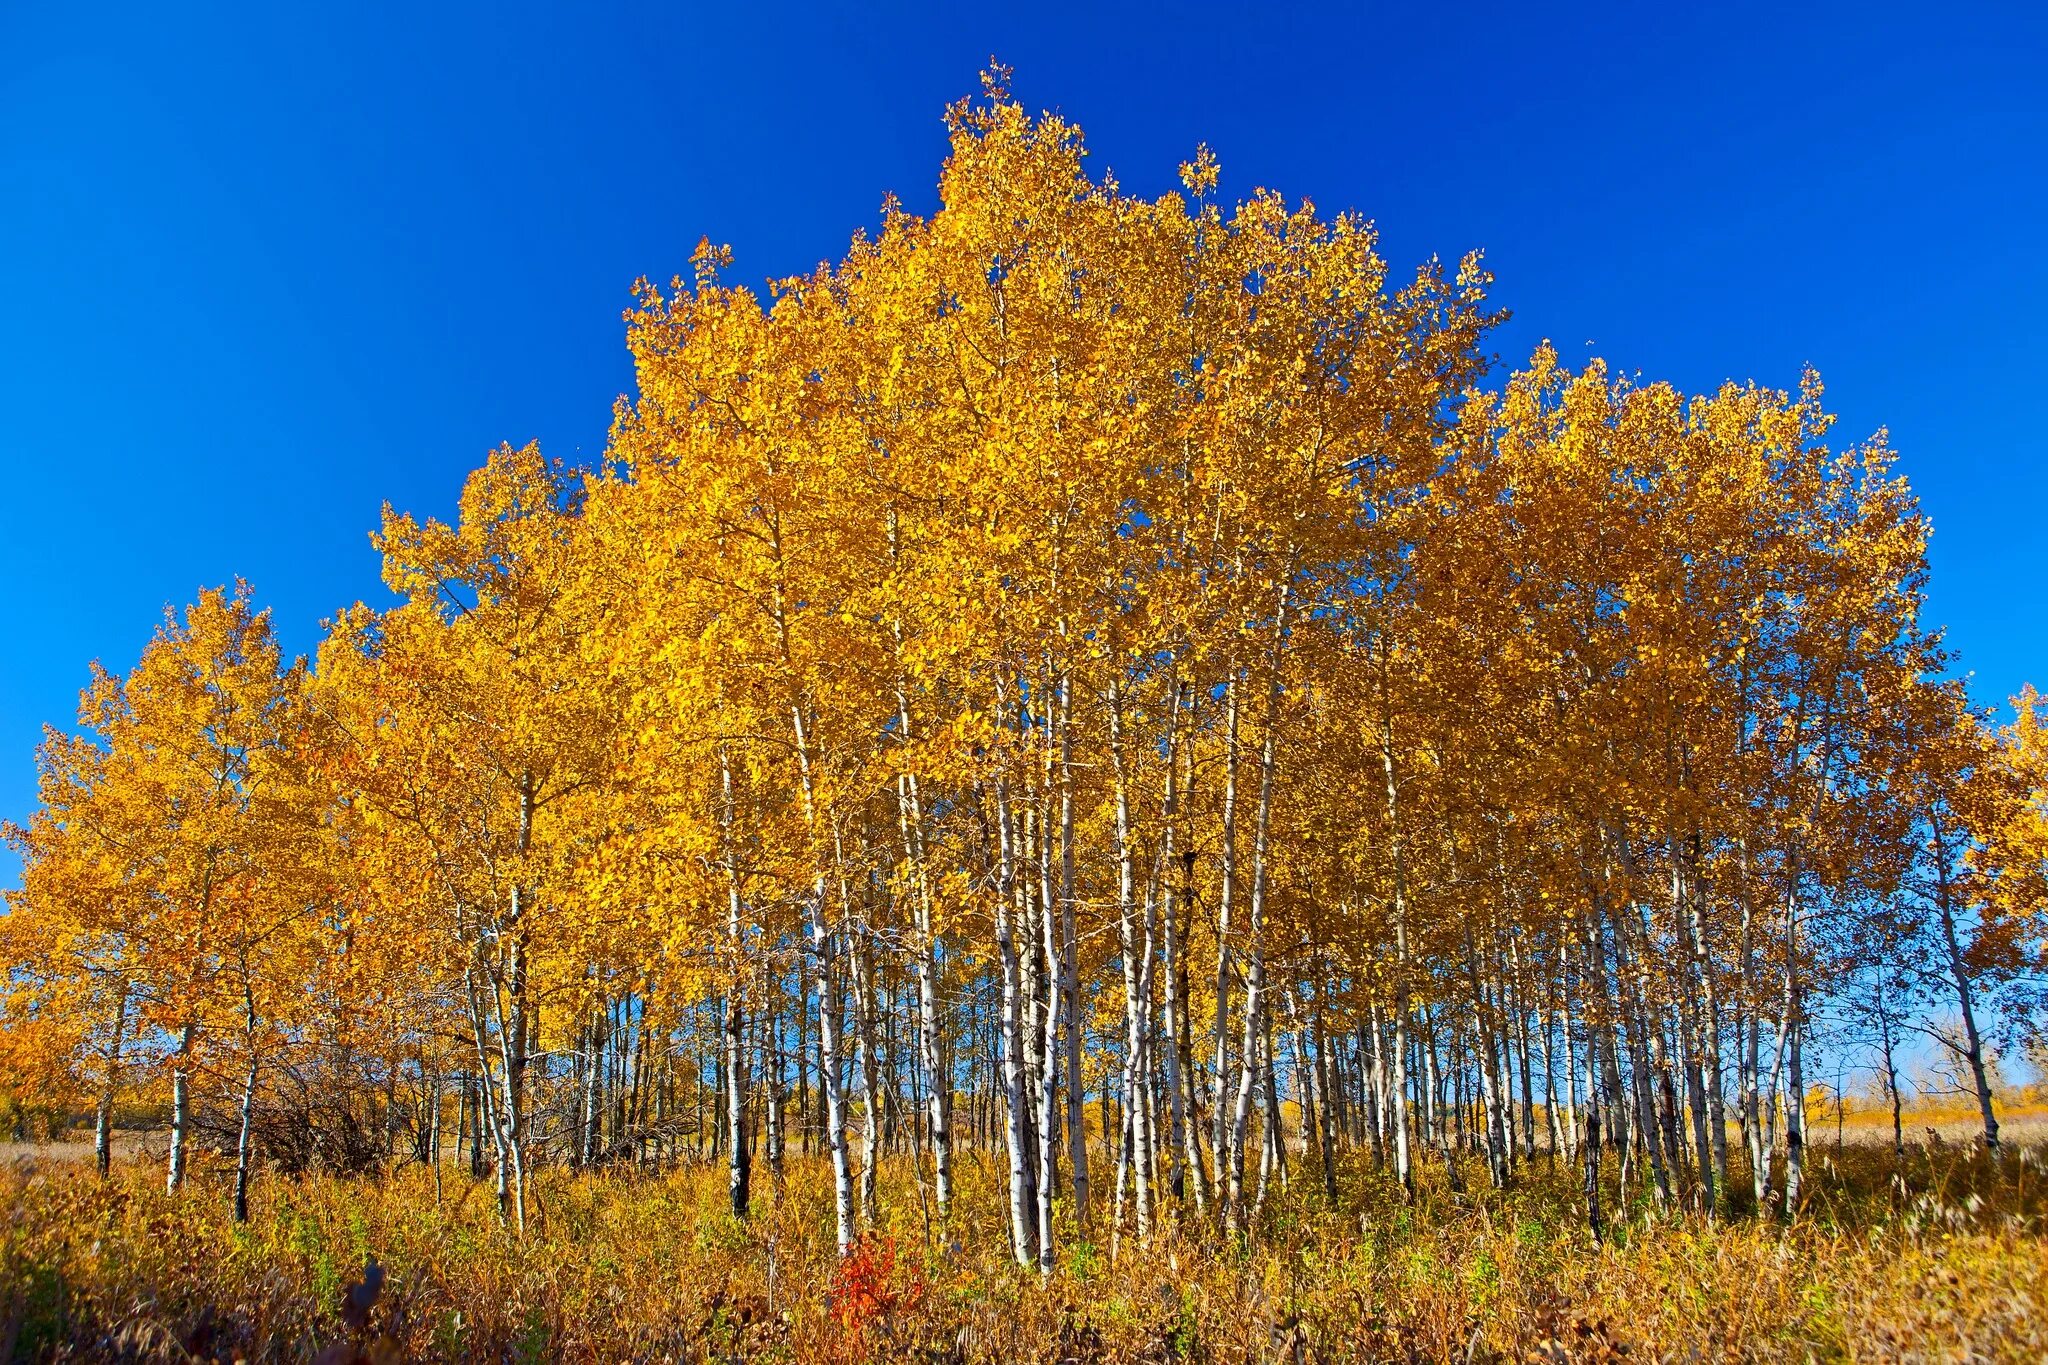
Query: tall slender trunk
x,y
1444,1123
1546,1036
1795,1087
822,941
1272,1131
1255,973
930,1026
1382,1082
1628,976
1324,1076
1315,1076
592,1058
1790,1050
181,1060
1180,1143
1590,1149
1220,1076
774,1067
739,1150
1572,1110
1497,1126
507,998
1012,1026
1749,1042
1651,1022
244,1144
1887,1041
1959,977
1137,970
501,962
1714,1156
1519,1011
1603,1066
181,1107
483,1105
823,949
867,1046
434,1131
103,1115
1052,999
1403,1166
739,1154
1069,965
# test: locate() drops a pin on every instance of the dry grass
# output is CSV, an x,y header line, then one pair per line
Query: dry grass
x,y
74,1147
1941,1257
2024,1124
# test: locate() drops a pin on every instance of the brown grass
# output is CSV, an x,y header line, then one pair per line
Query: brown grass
x,y
1943,1256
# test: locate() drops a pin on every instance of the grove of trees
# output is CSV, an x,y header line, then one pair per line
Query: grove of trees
x,y
1095,683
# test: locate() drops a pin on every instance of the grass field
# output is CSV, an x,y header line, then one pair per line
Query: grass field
x,y
1940,1256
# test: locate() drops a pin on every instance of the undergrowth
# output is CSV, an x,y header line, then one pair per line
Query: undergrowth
x,y
1940,1255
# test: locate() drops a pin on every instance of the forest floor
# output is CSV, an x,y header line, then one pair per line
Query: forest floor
x,y
1941,1255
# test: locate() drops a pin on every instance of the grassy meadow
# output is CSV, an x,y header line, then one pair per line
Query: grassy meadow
x,y
1941,1254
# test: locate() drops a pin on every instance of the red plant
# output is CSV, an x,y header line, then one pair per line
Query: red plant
x,y
865,1287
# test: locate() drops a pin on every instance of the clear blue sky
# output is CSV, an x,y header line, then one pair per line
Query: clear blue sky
x,y
261,271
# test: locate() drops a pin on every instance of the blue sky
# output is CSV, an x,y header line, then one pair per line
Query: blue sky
x,y
260,273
